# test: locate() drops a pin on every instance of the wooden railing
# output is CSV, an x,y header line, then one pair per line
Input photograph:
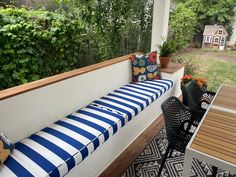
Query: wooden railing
x,y
60,77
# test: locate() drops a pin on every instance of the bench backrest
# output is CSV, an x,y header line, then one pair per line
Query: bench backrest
x,y
28,108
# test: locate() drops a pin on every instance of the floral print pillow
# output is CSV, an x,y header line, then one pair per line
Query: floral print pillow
x,y
145,67
6,147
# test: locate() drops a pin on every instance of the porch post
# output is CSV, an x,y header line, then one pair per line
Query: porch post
x,y
160,22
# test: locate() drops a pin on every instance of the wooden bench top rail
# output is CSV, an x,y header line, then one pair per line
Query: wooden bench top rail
x,y
172,68
7,93
59,77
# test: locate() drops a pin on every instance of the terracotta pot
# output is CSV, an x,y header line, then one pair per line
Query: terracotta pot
x,y
164,61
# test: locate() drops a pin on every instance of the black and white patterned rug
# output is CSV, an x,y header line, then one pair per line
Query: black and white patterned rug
x,y
148,162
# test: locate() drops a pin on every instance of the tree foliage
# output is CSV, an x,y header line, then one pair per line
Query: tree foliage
x,y
213,12
208,12
113,24
38,43
182,24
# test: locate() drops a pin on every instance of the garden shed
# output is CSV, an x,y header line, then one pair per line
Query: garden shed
x,y
214,37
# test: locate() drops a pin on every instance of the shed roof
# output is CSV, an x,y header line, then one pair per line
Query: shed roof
x,y
212,29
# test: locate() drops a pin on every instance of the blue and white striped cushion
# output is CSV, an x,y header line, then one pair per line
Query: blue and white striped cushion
x,y
56,149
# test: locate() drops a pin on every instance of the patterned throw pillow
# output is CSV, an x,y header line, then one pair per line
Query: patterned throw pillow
x,y
6,148
145,67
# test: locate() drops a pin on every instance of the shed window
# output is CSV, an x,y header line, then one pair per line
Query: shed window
x,y
208,39
216,40
220,31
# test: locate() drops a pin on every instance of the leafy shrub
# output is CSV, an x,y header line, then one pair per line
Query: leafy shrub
x,y
190,66
37,44
182,22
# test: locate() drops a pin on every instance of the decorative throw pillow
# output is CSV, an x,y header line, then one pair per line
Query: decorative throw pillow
x,y
6,148
145,67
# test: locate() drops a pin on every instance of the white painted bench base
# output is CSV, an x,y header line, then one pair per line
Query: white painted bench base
x,y
29,112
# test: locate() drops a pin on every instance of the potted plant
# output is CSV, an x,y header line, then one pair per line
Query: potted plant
x,y
184,81
166,50
200,81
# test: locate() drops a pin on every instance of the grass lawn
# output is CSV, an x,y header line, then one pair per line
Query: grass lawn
x,y
216,66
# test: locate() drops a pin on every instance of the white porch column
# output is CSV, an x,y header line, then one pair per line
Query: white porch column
x,y
160,22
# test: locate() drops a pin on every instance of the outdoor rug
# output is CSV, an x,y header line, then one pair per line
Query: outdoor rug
x,y
148,162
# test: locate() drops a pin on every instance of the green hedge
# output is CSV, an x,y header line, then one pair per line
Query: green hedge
x,y
37,44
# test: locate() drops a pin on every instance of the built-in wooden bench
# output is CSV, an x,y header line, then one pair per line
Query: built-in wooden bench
x,y
29,108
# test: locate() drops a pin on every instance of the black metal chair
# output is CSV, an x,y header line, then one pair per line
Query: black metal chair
x,y
184,95
181,123
198,98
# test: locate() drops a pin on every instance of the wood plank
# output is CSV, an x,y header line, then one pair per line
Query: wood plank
x,y
172,68
217,135
217,129
221,119
59,77
217,140
223,125
120,165
221,113
213,132
217,145
226,97
214,153
225,103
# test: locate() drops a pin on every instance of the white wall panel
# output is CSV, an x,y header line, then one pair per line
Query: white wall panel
x,y
24,114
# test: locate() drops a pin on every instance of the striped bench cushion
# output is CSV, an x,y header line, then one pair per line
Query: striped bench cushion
x,y
56,149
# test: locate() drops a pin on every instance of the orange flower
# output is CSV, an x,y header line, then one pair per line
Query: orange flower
x,y
201,81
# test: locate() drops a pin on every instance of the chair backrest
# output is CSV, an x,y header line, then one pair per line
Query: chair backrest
x,y
194,95
184,95
175,115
